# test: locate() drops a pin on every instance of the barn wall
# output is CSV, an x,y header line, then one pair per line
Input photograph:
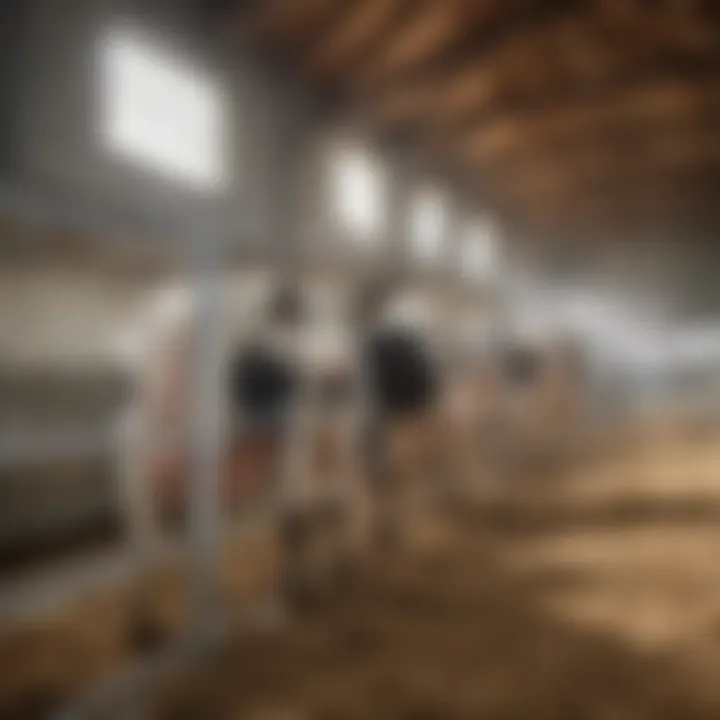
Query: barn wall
x,y
63,317
57,107
280,196
47,108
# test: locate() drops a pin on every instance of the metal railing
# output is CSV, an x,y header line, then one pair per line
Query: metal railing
x,y
200,240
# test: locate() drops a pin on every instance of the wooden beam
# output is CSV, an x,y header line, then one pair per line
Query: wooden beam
x,y
684,165
695,181
563,177
564,98
624,144
285,22
332,17
454,103
433,30
480,36
352,36
663,101
404,14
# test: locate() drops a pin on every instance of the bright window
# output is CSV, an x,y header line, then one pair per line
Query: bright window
x,y
160,113
428,223
479,251
358,194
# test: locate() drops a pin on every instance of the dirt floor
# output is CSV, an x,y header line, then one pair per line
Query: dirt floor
x,y
595,595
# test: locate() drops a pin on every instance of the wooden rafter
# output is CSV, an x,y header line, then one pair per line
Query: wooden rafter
x,y
353,35
288,22
480,34
555,111
662,103
328,21
565,97
401,15
431,29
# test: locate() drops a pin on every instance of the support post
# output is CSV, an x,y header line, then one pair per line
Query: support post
x,y
206,440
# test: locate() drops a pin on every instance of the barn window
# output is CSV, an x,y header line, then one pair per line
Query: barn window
x,y
428,223
479,251
358,194
160,113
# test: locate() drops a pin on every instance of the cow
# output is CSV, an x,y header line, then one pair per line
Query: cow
x,y
401,379
290,430
542,384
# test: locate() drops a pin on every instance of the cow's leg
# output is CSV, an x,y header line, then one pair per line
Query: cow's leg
x,y
309,545
343,484
144,539
386,468
296,573
343,527
376,477
465,458
442,455
295,519
312,537
329,531
343,562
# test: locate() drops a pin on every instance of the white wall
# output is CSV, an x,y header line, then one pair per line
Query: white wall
x,y
64,317
58,108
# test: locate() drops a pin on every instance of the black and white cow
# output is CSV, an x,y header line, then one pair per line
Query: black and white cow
x,y
290,434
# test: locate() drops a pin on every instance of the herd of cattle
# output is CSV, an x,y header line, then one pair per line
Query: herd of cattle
x,y
309,422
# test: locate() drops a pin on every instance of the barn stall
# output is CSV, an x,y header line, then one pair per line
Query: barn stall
x,y
526,174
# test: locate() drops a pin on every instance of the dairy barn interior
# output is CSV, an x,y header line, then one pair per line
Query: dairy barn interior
x,y
360,359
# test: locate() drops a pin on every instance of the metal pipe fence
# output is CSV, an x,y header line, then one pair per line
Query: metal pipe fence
x,y
200,242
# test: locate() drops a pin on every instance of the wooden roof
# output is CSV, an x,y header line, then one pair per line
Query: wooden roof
x,y
561,116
